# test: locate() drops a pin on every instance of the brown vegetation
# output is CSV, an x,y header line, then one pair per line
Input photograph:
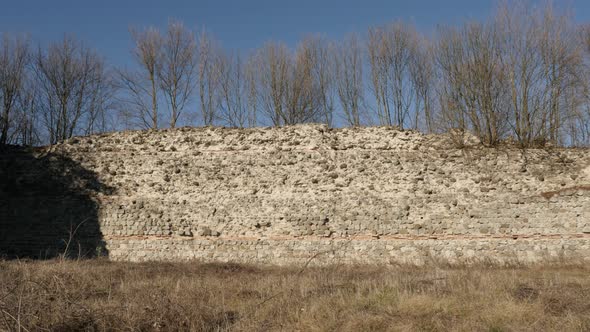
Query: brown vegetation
x,y
101,295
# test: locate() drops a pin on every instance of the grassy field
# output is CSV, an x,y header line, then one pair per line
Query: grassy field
x,y
97,295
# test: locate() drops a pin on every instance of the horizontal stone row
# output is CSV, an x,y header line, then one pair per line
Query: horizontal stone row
x,y
283,252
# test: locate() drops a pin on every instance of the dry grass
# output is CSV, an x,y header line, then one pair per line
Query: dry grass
x,y
98,295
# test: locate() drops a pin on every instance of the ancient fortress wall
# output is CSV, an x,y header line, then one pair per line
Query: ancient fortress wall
x,y
366,195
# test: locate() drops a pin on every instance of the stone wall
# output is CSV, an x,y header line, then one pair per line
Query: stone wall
x,y
365,195
48,205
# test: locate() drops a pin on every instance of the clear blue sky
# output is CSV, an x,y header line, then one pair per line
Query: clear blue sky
x,y
244,24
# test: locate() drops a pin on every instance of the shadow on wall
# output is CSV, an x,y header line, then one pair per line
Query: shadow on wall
x,y
47,207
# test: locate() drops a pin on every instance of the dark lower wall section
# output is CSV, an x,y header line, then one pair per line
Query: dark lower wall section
x,y
46,206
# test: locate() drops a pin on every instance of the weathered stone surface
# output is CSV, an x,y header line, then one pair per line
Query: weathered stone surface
x,y
371,195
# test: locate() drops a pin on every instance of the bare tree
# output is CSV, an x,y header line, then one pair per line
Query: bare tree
x,y
178,69
292,87
400,46
136,103
26,119
475,95
273,73
349,79
303,97
233,90
101,101
585,37
209,77
542,55
422,77
142,85
561,54
583,123
14,57
323,76
379,65
250,75
521,58
391,50
72,84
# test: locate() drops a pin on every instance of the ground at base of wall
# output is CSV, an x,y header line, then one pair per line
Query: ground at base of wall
x,y
104,295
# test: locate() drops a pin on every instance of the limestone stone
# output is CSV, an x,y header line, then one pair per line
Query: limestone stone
x,y
369,195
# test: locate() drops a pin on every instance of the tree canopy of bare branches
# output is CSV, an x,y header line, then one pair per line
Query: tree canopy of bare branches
x,y
74,89
473,78
272,63
142,86
522,74
209,77
14,58
178,68
393,55
234,89
349,78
